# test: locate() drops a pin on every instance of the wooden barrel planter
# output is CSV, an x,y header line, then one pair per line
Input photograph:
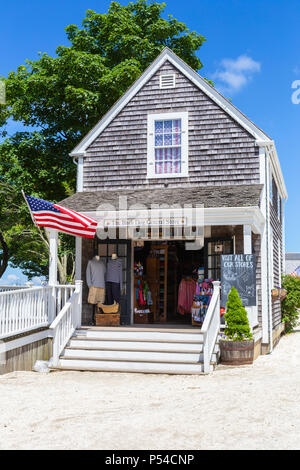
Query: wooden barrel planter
x,y
237,353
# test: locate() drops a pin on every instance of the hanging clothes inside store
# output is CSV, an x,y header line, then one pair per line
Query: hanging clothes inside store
x,y
186,292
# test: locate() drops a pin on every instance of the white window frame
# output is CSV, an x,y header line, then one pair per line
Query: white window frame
x,y
183,116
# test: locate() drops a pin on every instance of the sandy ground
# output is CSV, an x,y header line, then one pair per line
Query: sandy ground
x,y
248,407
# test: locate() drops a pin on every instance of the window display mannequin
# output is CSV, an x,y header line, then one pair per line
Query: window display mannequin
x,y
114,282
95,278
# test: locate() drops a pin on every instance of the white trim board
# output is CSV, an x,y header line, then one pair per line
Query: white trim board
x,y
250,215
16,343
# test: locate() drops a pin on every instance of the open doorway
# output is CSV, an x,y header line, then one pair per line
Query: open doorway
x,y
159,269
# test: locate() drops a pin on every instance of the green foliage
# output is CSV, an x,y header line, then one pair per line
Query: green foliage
x,y
238,328
59,99
290,304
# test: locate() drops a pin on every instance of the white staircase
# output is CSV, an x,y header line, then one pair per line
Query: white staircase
x,y
136,349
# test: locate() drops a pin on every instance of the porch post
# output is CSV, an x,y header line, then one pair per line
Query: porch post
x,y
247,240
53,244
78,258
251,311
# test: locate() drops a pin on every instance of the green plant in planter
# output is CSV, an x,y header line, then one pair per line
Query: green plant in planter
x,y
237,324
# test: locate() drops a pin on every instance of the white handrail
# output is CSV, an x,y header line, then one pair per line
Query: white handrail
x,y
29,308
211,327
10,288
66,322
23,310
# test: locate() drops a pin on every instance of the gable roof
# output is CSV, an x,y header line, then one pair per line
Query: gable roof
x,y
168,55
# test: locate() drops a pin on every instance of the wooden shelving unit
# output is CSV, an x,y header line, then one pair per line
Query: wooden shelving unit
x,y
157,277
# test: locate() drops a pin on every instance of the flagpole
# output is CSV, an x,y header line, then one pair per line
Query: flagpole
x,y
31,214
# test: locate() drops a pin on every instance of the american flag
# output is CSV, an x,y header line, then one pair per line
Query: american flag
x,y
296,272
47,214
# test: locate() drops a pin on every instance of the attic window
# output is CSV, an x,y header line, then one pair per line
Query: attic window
x,y
167,81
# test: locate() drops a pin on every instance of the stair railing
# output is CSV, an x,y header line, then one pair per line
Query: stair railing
x,y
211,327
66,322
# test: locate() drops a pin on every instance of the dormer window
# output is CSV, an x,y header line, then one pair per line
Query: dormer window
x,y
167,145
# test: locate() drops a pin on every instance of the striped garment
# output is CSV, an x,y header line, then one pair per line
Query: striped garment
x,y
114,271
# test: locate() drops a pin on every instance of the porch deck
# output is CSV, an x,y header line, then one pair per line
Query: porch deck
x,y
156,327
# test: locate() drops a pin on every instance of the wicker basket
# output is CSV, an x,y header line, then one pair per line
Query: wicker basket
x,y
114,308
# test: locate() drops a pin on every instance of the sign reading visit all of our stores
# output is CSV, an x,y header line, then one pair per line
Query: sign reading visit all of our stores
x,y
239,271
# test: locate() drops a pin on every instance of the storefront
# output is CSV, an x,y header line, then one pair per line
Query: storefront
x,y
182,144
163,258
160,279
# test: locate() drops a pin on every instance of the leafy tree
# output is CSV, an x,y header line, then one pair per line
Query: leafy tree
x,y
238,328
291,303
59,99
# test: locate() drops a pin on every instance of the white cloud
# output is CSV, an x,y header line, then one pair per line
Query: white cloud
x,y
13,277
233,74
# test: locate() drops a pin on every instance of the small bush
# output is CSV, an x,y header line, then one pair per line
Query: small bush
x,y
237,328
291,303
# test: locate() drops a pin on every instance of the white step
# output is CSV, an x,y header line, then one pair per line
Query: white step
x,y
83,343
138,335
127,356
122,366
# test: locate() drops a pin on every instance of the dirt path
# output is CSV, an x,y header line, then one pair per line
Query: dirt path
x,y
250,407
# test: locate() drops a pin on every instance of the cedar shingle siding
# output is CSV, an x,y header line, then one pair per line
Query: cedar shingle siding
x,y
276,225
220,151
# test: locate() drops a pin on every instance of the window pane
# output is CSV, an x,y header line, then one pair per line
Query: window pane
x,y
177,125
176,139
168,139
159,127
167,127
158,140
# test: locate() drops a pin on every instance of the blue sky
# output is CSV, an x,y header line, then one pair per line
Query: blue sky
x,y
251,53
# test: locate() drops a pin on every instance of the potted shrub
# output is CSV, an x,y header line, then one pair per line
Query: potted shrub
x,y
237,345
291,303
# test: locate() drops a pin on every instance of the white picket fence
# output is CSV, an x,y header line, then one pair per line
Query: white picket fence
x,y
26,309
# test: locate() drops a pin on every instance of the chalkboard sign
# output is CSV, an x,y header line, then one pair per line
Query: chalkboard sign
x,y
239,271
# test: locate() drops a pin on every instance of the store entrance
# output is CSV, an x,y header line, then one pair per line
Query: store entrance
x,y
160,269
